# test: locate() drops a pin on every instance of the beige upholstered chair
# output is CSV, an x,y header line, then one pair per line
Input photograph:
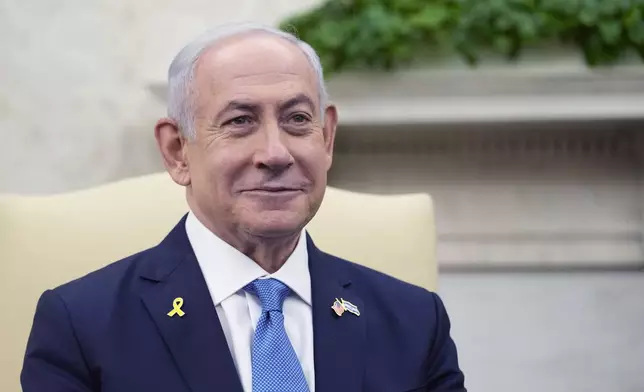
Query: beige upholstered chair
x,y
48,240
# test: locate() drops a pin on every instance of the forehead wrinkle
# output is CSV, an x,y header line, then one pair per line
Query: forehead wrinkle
x,y
280,76
254,88
223,74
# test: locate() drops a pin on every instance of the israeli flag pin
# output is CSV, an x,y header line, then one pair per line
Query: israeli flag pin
x,y
349,307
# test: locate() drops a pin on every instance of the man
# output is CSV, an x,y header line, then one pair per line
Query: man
x,y
237,297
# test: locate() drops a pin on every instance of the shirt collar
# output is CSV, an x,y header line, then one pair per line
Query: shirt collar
x,y
227,270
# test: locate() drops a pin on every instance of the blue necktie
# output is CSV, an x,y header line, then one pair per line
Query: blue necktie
x,y
274,362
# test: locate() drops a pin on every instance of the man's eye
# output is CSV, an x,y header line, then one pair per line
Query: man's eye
x,y
299,119
241,120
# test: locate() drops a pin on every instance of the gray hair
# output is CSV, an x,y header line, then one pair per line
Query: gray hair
x,y
181,72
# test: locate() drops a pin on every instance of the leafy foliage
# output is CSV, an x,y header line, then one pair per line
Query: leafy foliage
x,y
386,34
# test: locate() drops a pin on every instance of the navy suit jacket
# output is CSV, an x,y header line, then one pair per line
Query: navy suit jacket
x,y
110,330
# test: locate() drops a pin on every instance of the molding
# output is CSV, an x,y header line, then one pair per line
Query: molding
x,y
546,141
490,95
580,253
541,250
541,236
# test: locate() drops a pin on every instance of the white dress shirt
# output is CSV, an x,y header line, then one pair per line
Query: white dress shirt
x,y
227,271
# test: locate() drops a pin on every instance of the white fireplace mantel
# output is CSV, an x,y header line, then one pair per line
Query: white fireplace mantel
x,y
547,92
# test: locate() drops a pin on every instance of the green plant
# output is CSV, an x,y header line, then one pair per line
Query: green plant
x,y
386,34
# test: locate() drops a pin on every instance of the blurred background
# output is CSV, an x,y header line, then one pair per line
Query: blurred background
x,y
523,119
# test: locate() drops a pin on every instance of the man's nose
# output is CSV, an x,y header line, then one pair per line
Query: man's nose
x,y
274,153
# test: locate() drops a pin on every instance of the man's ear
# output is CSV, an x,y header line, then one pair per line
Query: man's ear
x,y
172,145
330,125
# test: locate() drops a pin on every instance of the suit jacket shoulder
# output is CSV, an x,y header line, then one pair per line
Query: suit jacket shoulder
x,y
408,332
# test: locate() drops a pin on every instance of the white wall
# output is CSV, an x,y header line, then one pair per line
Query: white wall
x,y
548,332
75,78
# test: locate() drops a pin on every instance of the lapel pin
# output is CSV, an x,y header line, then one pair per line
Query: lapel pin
x,y
341,305
176,307
337,307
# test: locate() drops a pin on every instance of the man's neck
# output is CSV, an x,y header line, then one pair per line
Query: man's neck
x,y
270,253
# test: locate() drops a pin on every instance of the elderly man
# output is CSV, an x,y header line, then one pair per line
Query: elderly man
x,y
237,297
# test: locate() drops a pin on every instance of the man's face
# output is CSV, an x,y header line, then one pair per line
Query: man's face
x,y
260,156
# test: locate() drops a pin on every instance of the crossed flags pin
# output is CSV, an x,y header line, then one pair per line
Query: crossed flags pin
x,y
341,305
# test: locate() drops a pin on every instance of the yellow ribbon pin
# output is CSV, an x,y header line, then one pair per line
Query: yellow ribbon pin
x,y
176,307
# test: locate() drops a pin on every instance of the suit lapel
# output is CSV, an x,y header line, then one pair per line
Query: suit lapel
x,y
196,340
339,342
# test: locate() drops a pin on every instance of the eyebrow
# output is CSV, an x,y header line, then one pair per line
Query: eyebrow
x,y
238,105
297,100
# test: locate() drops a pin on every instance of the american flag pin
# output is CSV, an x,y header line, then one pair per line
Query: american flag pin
x,y
337,307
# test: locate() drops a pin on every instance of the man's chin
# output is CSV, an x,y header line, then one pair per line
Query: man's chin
x,y
275,224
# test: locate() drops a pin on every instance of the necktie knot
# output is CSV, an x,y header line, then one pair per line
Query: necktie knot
x,y
271,293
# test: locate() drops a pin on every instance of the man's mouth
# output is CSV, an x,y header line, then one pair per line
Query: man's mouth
x,y
273,190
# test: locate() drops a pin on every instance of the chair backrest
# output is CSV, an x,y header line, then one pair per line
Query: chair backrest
x,y
48,240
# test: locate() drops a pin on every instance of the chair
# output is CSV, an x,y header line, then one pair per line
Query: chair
x,y
48,240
